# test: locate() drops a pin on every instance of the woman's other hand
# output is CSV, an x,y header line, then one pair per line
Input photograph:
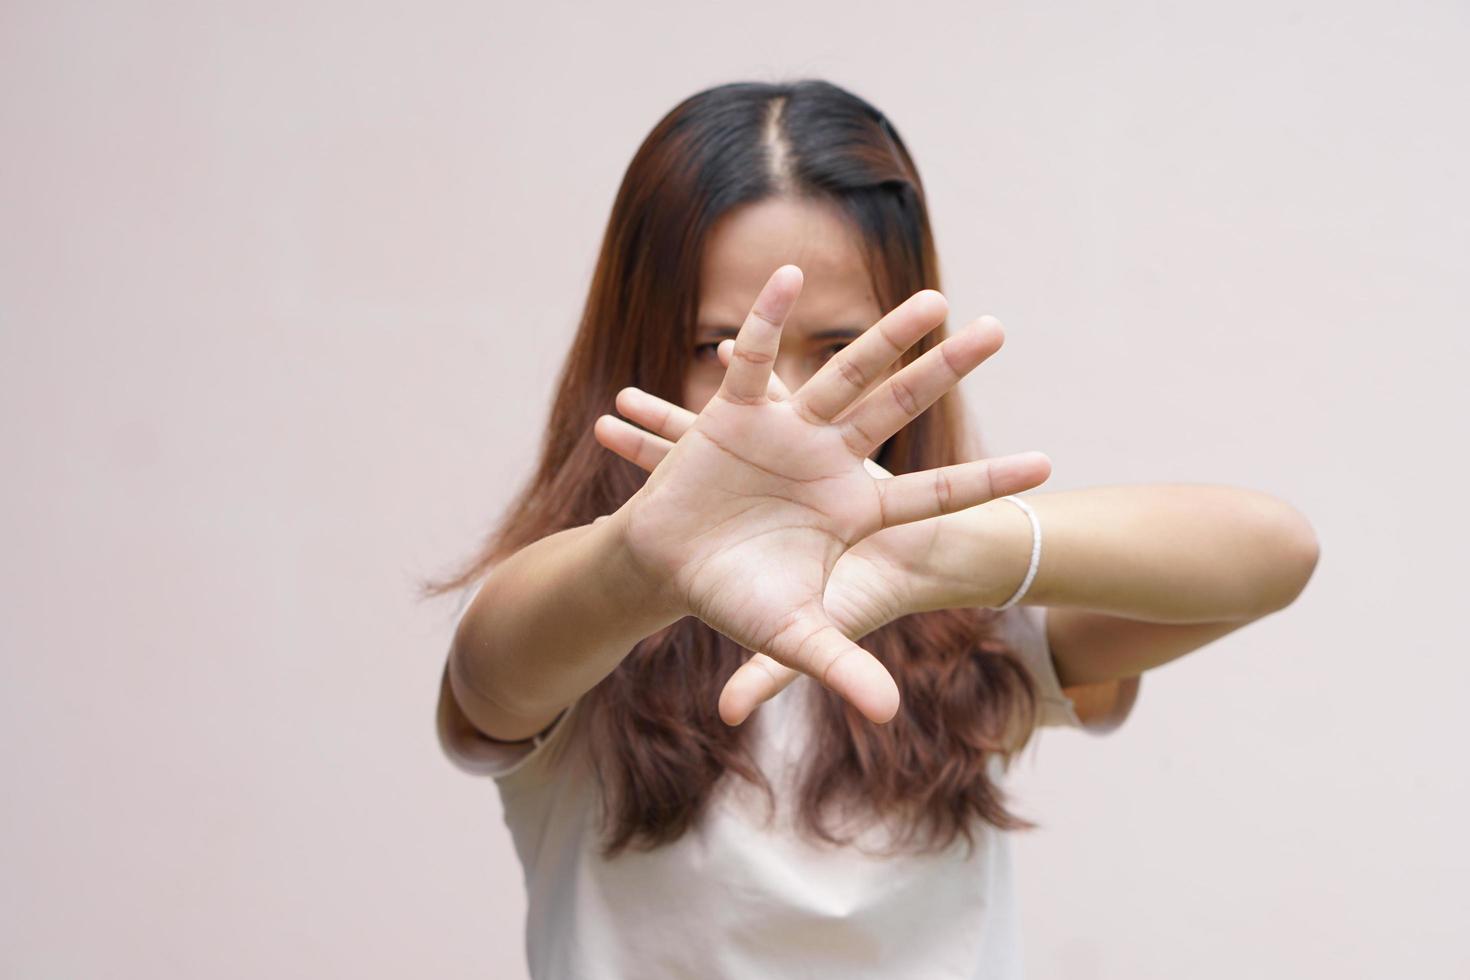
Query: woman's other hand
x,y
750,505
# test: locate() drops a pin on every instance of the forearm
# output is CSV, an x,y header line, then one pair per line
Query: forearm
x,y
1164,553
552,620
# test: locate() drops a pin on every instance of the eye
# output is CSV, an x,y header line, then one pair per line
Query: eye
x,y
707,352
830,350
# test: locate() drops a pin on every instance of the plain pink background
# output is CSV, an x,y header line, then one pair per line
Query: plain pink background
x,y
283,289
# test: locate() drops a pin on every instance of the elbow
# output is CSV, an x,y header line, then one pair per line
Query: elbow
x,y
1102,708
472,681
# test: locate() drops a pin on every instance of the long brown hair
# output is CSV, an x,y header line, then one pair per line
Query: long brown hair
x,y
658,743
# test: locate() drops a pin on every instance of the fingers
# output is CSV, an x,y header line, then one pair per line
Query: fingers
x,y
658,416
776,390
630,442
929,493
812,644
848,373
666,421
901,398
753,684
759,338
664,418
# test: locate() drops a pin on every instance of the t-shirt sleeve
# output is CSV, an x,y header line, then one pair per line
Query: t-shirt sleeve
x,y
1024,627
472,751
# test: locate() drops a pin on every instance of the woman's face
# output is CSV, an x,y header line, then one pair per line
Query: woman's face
x,y
749,243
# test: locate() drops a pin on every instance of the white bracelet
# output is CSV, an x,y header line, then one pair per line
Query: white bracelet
x,y
1035,552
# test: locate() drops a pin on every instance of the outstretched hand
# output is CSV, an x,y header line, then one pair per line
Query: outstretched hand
x,y
884,576
744,517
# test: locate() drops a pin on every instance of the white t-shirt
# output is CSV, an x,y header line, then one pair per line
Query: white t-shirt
x,y
737,898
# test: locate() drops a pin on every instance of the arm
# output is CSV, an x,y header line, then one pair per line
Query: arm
x,y
736,522
549,623
1138,575
1133,576
1103,707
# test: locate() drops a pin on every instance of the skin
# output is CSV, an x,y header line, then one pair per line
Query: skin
x,y
744,518
741,522
882,576
763,516
837,301
875,581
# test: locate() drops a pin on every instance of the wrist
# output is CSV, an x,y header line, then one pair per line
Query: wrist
x,y
648,597
982,558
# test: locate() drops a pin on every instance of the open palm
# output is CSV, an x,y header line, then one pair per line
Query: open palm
x,y
880,578
743,519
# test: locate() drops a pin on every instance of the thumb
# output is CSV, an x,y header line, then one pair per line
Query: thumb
x,y
753,684
812,644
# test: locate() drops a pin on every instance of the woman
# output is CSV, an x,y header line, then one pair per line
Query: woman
x,y
705,776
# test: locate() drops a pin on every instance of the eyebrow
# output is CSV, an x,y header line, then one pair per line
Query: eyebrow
x,y
831,333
